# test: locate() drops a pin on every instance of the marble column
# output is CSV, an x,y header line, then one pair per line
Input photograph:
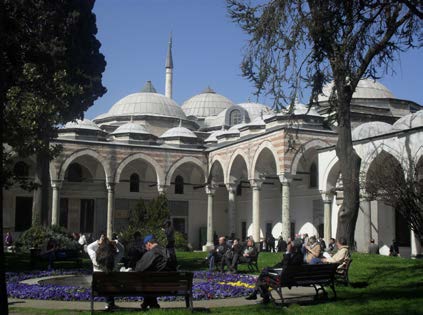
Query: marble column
x,y
365,205
416,247
256,187
110,208
327,216
286,215
210,191
231,187
55,204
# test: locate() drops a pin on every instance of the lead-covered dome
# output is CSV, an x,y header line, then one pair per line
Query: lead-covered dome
x,y
131,128
207,103
409,121
146,102
370,129
178,132
256,110
84,124
366,88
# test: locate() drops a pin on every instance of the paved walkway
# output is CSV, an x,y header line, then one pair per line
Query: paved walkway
x,y
294,294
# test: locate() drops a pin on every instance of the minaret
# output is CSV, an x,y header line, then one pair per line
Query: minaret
x,y
169,70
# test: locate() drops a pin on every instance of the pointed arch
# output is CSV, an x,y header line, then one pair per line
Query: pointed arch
x,y
214,167
304,148
140,156
267,145
86,152
178,163
242,155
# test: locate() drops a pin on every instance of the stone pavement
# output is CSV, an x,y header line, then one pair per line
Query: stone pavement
x,y
293,295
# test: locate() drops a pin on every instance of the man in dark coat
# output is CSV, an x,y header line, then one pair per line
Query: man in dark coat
x,y
155,259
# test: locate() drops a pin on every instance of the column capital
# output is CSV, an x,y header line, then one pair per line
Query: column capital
x,y
327,196
211,189
110,186
56,183
256,183
162,189
285,178
231,187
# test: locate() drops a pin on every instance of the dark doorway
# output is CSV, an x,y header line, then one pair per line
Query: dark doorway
x,y
243,231
23,213
87,216
63,217
402,231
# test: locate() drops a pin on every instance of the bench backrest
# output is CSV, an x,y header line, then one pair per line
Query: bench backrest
x,y
132,283
308,274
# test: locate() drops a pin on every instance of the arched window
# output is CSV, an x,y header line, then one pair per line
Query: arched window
x,y
239,189
235,117
134,183
75,173
21,170
179,185
313,175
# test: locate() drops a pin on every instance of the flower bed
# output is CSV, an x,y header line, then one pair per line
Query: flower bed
x,y
207,285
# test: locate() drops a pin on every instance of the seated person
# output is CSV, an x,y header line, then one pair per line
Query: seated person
x,y
216,255
48,251
155,259
135,251
236,249
272,275
247,255
331,246
341,255
312,251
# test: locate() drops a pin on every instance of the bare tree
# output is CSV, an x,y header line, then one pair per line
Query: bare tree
x,y
297,44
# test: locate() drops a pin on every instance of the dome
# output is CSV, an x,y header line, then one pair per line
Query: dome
x,y
131,127
82,124
409,121
255,109
178,132
370,129
146,102
366,88
207,103
301,109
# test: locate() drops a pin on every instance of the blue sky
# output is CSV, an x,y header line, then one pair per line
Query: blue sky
x,y
207,51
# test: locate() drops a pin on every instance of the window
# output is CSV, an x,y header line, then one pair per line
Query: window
x,y
235,117
134,183
75,173
87,216
21,170
23,213
313,175
64,209
239,189
179,185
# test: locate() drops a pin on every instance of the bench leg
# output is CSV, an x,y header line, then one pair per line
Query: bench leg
x,y
318,289
332,286
92,305
188,301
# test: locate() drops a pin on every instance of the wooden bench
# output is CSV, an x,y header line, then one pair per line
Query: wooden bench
x,y
59,255
341,274
154,284
252,265
317,276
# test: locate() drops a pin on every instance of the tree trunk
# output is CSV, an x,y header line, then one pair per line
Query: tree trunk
x,y
37,194
350,169
40,203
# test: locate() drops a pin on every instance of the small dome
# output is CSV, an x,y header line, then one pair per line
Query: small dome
x,y
178,132
256,110
207,103
213,137
366,88
409,121
301,109
132,128
82,124
370,129
146,102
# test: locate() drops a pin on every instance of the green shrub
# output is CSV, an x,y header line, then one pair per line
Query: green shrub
x,y
181,243
37,236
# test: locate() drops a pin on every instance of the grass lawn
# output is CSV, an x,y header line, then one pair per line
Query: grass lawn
x,y
379,285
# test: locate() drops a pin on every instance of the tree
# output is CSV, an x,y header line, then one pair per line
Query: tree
x,y
51,71
298,44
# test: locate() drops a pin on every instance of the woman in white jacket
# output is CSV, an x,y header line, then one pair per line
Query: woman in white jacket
x,y
105,255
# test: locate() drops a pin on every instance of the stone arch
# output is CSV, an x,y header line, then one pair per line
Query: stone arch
x,y
140,156
304,148
85,152
267,145
242,155
371,155
214,167
178,163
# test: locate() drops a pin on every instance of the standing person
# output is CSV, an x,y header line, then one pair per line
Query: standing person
x,y
271,243
373,248
8,240
105,255
170,237
155,259
282,245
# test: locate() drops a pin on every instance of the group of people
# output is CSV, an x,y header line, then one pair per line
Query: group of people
x,y
231,254
299,251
